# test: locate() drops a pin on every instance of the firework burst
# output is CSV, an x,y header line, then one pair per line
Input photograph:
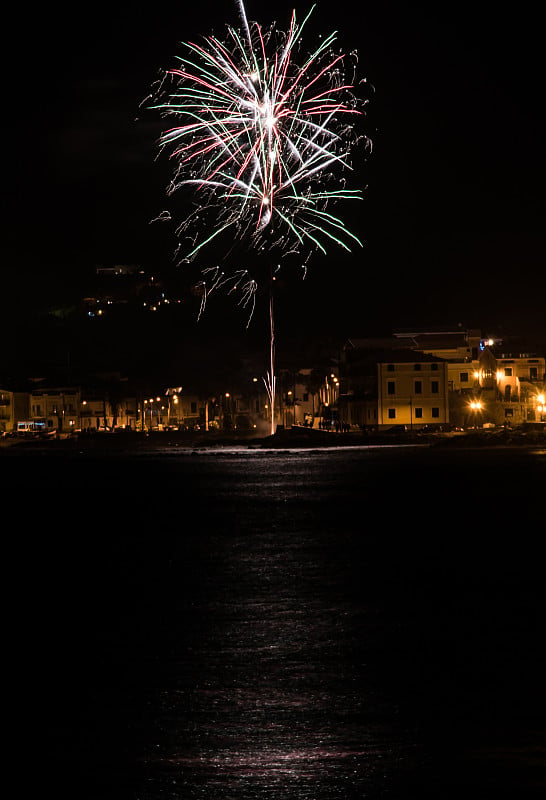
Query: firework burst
x,y
263,136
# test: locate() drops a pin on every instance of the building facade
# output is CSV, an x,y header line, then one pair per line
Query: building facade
x,y
411,379
440,378
55,409
412,392
14,411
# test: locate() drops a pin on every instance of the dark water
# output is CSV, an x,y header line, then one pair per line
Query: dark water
x,y
313,625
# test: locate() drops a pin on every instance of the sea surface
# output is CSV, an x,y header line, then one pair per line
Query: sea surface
x,y
271,624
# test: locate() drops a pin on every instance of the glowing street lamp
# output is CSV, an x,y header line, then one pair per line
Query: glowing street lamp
x,y
541,405
476,406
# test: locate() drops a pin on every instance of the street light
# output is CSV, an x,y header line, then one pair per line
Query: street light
x,y
150,404
476,406
227,420
541,405
82,411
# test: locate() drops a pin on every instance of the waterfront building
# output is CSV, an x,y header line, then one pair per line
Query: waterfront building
x,y
55,409
477,381
14,411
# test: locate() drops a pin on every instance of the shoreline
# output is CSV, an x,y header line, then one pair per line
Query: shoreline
x,y
125,441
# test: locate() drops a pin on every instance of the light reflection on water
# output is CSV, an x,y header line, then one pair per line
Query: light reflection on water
x,y
271,693
322,626
274,690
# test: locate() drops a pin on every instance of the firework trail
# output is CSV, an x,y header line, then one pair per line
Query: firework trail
x,y
262,135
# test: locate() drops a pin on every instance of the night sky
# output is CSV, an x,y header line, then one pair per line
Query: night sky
x,y
454,211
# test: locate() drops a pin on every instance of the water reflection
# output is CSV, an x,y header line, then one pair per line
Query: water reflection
x,y
330,626
274,686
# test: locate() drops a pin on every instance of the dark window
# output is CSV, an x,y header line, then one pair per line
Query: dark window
x,y
435,412
418,413
418,387
508,372
390,367
392,413
464,377
193,408
434,387
533,373
417,367
434,367
391,387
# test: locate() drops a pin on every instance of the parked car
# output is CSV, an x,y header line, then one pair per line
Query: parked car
x,y
395,429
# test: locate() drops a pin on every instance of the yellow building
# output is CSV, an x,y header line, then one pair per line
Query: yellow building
x,y
14,410
55,409
385,382
511,386
412,391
